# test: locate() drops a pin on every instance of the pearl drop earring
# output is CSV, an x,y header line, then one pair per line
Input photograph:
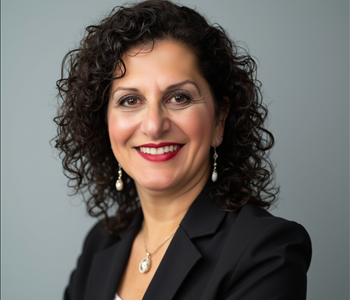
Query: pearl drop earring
x,y
119,183
214,175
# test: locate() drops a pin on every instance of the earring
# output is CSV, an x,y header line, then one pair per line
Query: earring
x,y
214,175
119,183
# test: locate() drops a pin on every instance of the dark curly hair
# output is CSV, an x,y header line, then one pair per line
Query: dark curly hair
x,y
245,171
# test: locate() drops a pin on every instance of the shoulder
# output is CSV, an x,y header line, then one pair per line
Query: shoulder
x,y
270,254
253,226
96,240
257,222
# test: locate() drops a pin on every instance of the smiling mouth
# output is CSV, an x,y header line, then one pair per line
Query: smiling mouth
x,y
159,150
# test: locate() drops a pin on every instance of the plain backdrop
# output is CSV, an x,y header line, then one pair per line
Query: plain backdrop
x,y
303,52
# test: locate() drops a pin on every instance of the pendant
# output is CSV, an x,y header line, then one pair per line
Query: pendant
x,y
214,176
119,185
145,265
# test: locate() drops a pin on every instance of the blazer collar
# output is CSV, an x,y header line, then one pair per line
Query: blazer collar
x,y
201,219
108,265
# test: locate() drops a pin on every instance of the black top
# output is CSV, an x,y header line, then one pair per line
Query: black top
x,y
247,255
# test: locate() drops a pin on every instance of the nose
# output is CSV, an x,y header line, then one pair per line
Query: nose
x,y
155,122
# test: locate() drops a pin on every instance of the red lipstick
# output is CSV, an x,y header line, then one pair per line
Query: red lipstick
x,y
159,157
151,145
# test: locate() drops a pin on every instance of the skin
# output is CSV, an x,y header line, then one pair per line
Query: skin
x,y
162,98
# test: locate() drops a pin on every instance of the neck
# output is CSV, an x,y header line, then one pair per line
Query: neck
x,y
164,210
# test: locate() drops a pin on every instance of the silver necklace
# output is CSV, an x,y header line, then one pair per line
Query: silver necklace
x,y
145,263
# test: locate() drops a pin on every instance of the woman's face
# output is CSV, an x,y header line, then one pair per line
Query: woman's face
x,y
161,119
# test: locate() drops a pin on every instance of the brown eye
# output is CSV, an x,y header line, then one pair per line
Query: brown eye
x,y
129,101
179,99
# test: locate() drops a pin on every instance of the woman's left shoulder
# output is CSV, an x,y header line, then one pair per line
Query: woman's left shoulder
x,y
271,254
257,224
261,222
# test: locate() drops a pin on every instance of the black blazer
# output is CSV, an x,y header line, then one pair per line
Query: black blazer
x,y
248,255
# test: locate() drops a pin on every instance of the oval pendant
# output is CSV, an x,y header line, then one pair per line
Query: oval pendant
x,y
214,176
145,265
119,185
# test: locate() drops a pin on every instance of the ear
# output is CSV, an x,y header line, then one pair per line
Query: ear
x,y
220,123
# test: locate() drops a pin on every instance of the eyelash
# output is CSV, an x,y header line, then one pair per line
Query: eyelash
x,y
187,96
125,98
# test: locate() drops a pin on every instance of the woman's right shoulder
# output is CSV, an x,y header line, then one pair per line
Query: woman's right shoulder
x,y
97,240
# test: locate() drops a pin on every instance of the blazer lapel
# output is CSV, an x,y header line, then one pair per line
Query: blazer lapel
x,y
181,256
179,259
108,265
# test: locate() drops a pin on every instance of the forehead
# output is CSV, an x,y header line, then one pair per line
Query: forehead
x,y
162,48
165,59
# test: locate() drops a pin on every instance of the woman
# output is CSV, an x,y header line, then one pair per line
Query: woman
x,y
162,117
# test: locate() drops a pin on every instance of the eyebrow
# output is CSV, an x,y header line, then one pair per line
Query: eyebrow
x,y
122,88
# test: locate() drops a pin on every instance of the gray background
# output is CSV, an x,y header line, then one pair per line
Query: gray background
x,y
303,49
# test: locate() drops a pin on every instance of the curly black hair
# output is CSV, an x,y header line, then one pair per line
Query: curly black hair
x,y
245,170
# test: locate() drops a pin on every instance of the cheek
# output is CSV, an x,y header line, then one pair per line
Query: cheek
x,y
120,129
199,123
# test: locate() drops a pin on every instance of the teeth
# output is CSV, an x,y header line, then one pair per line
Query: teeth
x,y
160,150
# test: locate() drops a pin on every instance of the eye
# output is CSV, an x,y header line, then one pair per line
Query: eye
x,y
180,98
129,101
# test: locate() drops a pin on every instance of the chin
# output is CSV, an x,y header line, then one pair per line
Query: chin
x,y
160,183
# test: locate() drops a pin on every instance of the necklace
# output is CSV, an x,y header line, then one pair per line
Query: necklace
x,y
145,263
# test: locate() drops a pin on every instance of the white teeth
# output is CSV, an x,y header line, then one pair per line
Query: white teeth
x,y
160,150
